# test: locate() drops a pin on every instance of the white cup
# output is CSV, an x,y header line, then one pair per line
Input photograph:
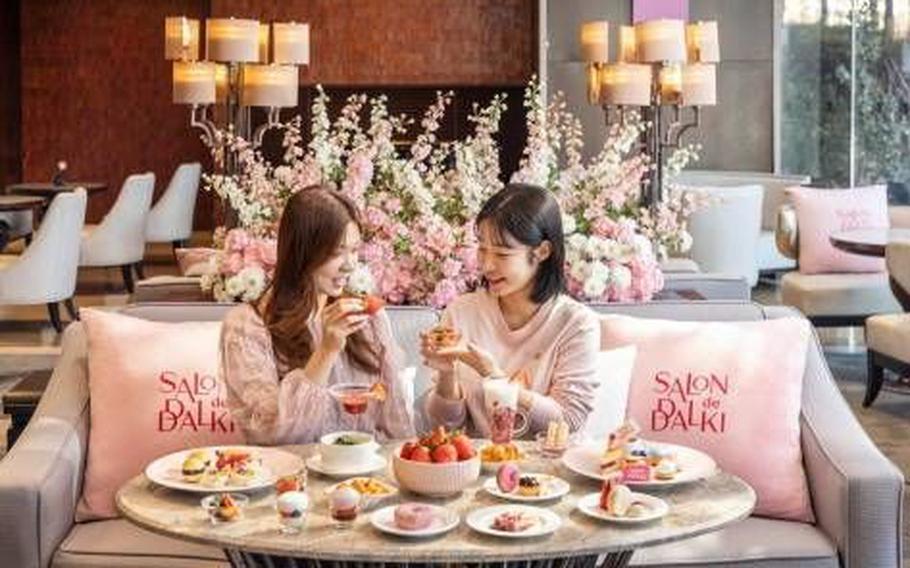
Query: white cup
x,y
343,456
500,397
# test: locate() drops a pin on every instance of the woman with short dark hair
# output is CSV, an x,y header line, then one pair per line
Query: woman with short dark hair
x,y
521,325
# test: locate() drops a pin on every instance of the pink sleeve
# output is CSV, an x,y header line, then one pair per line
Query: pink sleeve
x,y
396,420
574,380
268,411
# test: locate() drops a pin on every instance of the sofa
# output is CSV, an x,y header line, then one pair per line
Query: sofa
x,y
857,493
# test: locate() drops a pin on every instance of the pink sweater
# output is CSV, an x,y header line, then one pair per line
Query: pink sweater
x,y
556,351
295,410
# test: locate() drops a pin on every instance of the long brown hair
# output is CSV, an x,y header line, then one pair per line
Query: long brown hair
x,y
312,227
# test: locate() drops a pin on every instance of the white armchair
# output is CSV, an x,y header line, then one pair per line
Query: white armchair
x,y
171,219
119,240
46,272
725,234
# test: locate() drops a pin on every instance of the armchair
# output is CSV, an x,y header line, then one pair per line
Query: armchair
x,y
171,219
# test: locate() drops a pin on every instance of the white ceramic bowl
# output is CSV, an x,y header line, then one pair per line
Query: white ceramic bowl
x,y
435,479
341,456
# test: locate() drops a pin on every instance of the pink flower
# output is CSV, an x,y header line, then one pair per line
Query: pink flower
x,y
232,263
451,268
444,292
236,240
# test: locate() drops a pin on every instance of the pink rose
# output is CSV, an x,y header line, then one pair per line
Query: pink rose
x,y
232,263
236,240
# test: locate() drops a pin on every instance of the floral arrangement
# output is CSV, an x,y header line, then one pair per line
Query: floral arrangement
x,y
418,205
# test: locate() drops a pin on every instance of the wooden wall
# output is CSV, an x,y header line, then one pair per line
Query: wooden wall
x,y
95,88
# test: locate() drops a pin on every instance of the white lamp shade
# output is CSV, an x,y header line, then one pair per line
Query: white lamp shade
x,y
232,40
699,84
291,44
181,39
702,42
194,82
221,82
626,84
594,38
628,52
661,40
263,43
270,85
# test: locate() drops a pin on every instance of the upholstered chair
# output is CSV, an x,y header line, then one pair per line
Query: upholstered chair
x,y
888,335
46,272
119,240
725,232
171,219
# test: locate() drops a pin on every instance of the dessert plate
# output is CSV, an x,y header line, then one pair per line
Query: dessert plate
x,y
443,521
654,508
693,464
375,463
551,487
545,521
274,463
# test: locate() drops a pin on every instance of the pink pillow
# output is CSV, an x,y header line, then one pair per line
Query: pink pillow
x,y
730,389
194,261
822,212
154,389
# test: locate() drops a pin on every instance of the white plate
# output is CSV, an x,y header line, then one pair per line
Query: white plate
x,y
166,470
481,521
551,487
693,464
443,521
368,501
376,463
657,508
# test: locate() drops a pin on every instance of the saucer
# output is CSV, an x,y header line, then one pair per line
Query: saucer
x,y
375,463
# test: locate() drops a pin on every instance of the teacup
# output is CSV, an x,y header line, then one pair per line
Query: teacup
x,y
343,450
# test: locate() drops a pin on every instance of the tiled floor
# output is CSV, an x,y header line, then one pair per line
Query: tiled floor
x,y
28,342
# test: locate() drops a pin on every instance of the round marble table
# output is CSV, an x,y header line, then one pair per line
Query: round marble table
x,y
695,509
872,242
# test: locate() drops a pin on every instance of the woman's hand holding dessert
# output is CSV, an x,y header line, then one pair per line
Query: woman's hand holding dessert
x,y
339,320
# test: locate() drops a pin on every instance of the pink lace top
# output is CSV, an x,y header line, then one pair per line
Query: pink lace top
x,y
274,405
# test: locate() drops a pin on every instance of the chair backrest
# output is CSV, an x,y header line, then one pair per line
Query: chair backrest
x,y
897,258
47,269
171,219
725,234
123,228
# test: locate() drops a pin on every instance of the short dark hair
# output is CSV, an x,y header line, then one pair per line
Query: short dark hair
x,y
531,215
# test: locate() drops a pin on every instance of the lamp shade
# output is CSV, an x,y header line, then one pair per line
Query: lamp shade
x,y
661,40
670,80
626,84
291,44
702,42
232,40
594,39
699,84
221,82
270,85
263,43
628,52
194,82
181,39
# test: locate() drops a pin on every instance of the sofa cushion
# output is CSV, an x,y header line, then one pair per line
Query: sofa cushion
x,y
752,543
768,256
195,261
732,390
889,334
823,212
168,288
838,294
148,402
118,542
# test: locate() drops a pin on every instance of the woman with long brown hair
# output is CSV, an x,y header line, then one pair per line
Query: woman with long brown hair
x,y
280,356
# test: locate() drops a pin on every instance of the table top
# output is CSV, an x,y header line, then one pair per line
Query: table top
x,y
868,242
48,189
695,508
20,202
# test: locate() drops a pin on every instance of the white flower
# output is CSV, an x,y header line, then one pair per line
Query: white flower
x,y
577,242
568,224
579,269
233,287
594,288
621,277
361,280
600,272
252,280
685,241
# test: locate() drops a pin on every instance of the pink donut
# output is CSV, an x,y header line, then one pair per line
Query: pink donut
x,y
413,516
507,477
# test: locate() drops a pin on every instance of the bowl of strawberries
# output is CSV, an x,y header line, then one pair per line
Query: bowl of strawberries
x,y
437,464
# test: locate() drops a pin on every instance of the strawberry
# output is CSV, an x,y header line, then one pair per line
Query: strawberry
x,y
445,453
463,446
372,304
407,449
421,454
437,438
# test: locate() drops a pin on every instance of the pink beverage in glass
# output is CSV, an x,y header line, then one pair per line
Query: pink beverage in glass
x,y
354,403
502,424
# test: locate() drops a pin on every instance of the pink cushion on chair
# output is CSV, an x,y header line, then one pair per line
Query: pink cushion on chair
x,y
154,388
822,212
195,261
730,389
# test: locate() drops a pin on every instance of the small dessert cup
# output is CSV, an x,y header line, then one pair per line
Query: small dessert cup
x,y
224,507
550,450
292,507
344,506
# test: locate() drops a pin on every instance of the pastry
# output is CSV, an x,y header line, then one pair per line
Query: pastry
x,y
194,467
615,498
413,516
528,486
513,521
666,469
226,508
612,460
444,336
557,434
507,478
